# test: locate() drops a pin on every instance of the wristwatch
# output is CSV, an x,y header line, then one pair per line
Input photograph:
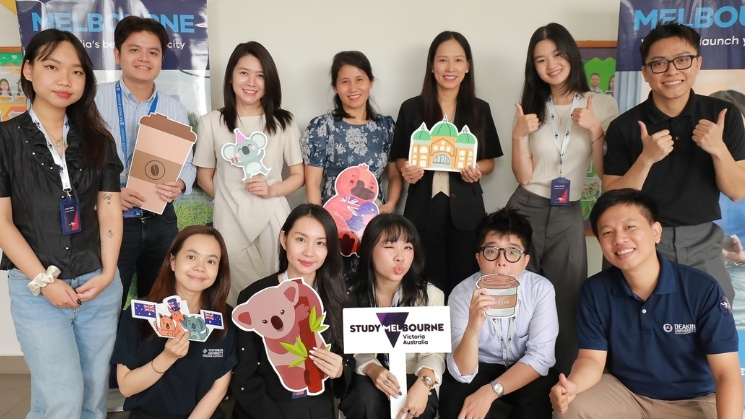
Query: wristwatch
x,y
428,381
498,388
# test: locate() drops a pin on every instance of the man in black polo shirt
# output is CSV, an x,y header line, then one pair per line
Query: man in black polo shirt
x,y
682,149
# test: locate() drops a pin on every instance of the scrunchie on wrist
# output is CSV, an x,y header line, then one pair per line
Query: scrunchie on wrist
x,y
43,279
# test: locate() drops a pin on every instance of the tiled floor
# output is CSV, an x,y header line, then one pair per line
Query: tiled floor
x,y
16,398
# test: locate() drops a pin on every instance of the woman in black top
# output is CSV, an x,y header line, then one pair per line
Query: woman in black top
x,y
446,206
61,227
309,249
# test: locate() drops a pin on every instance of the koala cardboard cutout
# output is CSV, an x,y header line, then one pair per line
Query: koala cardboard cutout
x,y
172,316
353,206
247,153
289,318
443,147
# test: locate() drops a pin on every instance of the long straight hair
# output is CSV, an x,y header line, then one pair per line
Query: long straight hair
x,y
213,298
468,110
83,115
271,102
389,228
535,90
329,279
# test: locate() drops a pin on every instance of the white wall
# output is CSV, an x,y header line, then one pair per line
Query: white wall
x,y
9,37
304,35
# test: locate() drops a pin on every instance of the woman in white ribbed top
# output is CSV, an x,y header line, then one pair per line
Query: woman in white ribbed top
x,y
559,129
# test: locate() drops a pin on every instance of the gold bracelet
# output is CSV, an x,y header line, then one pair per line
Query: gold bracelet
x,y
152,365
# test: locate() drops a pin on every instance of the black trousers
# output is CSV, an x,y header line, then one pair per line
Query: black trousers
x,y
449,253
529,402
365,401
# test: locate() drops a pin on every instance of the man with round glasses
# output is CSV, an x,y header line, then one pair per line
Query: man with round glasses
x,y
503,328
682,149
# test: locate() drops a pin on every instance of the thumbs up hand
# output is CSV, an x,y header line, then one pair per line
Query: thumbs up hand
x,y
585,118
709,135
562,394
526,124
656,146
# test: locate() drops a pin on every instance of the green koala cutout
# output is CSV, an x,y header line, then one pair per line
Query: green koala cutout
x,y
196,327
247,153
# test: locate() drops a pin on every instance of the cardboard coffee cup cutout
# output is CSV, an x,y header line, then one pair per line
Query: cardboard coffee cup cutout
x,y
160,153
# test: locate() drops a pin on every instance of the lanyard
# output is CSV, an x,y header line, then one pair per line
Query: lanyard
x,y
506,343
58,160
561,146
122,124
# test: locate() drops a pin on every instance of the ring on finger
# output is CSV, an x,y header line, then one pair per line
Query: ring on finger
x,y
388,376
386,382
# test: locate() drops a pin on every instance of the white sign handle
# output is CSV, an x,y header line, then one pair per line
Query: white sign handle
x,y
397,363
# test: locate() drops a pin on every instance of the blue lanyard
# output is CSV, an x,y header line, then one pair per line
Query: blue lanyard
x,y
122,124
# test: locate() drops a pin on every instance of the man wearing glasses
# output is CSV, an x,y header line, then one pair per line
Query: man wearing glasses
x,y
503,328
682,149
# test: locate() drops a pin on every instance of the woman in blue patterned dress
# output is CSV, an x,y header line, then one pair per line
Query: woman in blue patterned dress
x,y
352,134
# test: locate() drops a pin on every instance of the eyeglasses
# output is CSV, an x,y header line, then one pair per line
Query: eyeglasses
x,y
491,253
683,62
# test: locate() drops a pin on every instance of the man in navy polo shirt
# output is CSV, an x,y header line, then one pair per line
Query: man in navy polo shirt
x,y
682,149
663,332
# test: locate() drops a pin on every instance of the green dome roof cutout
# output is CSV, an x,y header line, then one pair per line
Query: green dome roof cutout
x,y
444,129
421,134
465,136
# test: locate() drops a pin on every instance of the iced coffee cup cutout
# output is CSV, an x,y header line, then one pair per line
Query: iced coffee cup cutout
x,y
504,289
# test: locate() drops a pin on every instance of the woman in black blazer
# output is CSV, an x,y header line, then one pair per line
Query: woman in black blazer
x,y
446,206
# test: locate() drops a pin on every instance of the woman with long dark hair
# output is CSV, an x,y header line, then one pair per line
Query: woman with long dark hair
x,y
61,225
308,249
249,212
390,275
559,130
446,206
175,377
350,135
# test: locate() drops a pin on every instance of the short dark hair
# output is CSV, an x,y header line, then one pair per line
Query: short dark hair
x,y
626,196
505,221
358,60
669,30
132,24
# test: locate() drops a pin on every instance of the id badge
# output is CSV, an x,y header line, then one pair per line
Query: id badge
x,y
560,191
70,214
133,212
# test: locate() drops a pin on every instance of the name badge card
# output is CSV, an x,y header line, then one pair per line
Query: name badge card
x,y
397,331
560,191
70,214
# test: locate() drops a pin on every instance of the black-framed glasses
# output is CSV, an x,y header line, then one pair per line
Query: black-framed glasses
x,y
682,62
512,254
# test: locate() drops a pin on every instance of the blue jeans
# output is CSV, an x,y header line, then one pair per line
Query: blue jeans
x,y
67,349
144,246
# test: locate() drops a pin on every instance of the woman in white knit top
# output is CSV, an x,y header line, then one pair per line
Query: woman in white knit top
x,y
559,130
